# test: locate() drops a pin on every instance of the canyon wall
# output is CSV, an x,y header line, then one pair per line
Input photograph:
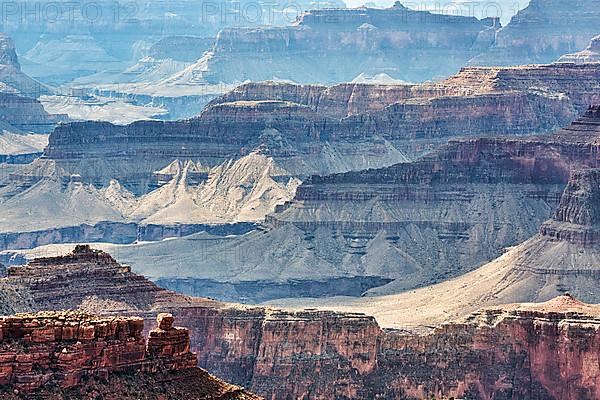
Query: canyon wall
x,y
495,353
322,130
415,223
337,45
542,32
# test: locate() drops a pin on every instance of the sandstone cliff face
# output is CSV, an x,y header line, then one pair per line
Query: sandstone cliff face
x,y
542,32
562,257
49,354
547,351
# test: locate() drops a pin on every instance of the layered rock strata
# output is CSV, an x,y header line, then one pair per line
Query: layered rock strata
x,y
542,32
416,223
561,257
46,353
322,130
337,45
591,54
323,354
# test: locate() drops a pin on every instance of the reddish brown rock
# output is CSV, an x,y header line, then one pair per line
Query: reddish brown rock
x,y
45,353
547,351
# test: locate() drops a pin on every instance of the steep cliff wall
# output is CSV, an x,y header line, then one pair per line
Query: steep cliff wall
x,y
336,45
68,354
532,350
542,32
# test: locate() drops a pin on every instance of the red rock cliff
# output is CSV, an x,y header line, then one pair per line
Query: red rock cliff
x,y
547,351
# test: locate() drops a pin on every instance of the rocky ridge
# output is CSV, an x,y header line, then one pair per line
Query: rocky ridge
x,y
277,353
318,130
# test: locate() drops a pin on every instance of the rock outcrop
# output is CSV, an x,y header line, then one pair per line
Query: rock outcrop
x,y
12,79
323,354
542,32
590,55
50,353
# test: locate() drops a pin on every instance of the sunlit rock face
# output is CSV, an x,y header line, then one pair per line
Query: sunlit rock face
x,y
542,32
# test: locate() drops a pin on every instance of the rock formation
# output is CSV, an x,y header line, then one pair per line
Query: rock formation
x,y
56,354
21,114
415,223
337,45
323,354
12,79
590,55
562,257
319,130
542,32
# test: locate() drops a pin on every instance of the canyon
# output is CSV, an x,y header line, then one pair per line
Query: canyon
x,y
251,147
408,225
277,353
389,124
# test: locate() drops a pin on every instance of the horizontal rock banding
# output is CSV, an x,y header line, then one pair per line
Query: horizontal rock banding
x,y
61,349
